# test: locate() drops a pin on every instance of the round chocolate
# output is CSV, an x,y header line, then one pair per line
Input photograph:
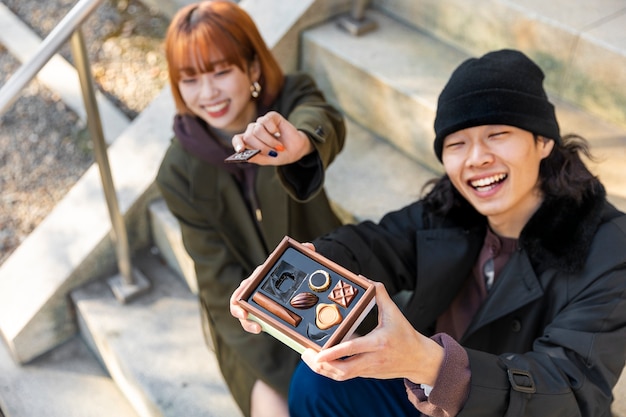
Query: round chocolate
x,y
319,281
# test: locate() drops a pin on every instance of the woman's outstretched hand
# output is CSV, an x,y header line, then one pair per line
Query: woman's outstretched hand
x,y
278,140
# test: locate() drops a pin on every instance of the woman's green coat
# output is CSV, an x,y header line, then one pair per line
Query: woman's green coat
x,y
226,242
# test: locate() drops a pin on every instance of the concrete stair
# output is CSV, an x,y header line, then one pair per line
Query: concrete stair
x,y
579,44
65,382
153,348
388,82
149,355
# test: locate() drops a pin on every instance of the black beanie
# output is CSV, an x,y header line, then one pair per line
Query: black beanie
x,y
502,87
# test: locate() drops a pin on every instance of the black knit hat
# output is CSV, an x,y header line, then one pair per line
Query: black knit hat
x,y
502,87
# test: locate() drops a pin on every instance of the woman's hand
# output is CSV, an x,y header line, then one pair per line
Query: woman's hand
x,y
394,349
278,140
238,312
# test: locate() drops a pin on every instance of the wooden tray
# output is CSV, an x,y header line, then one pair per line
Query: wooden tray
x,y
323,317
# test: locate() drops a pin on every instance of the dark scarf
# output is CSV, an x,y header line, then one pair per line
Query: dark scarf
x,y
196,138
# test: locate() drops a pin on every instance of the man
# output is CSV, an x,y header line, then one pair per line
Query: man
x,y
517,265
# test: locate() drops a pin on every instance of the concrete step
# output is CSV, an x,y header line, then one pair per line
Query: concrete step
x,y
66,382
166,237
370,177
580,44
153,346
388,81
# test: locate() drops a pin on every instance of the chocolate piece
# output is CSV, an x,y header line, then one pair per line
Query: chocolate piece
x,y
327,315
242,156
304,300
283,282
276,309
343,294
315,334
319,281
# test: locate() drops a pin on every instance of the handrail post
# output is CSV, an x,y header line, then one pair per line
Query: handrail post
x,y
130,282
357,23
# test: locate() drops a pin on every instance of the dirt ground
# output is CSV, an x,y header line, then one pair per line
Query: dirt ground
x,y
44,146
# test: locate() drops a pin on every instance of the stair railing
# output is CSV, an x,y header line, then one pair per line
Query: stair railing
x,y
130,282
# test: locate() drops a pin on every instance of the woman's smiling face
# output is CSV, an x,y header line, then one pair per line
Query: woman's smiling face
x,y
220,97
496,169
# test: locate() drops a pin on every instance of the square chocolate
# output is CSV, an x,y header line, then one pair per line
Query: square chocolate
x,y
306,300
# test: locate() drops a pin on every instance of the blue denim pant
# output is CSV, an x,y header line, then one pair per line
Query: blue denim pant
x,y
313,395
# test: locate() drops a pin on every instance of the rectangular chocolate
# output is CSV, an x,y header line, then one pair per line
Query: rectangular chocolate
x,y
304,299
242,156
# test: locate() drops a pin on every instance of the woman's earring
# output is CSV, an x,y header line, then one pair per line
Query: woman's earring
x,y
255,89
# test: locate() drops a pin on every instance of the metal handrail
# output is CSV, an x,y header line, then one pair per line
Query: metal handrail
x,y
50,45
132,282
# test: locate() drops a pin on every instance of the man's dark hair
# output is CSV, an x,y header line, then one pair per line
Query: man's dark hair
x,y
564,173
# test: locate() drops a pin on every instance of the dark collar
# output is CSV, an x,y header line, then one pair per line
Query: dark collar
x,y
560,233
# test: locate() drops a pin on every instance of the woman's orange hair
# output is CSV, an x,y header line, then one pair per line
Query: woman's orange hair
x,y
203,33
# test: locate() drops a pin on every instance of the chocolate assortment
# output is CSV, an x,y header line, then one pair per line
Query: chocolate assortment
x,y
306,300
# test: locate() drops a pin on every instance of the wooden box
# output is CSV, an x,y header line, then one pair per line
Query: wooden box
x,y
304,299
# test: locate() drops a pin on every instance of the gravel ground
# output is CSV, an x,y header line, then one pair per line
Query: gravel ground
x,y
44,146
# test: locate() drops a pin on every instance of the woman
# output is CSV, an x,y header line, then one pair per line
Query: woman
x,y
231,95
516,261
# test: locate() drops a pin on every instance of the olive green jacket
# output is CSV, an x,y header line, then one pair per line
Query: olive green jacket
x,y
226,242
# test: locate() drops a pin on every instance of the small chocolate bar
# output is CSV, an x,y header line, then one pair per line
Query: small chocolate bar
x,y
343,294
242,156
306,300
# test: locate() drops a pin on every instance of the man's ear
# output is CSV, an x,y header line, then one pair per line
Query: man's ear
x,y
547,146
